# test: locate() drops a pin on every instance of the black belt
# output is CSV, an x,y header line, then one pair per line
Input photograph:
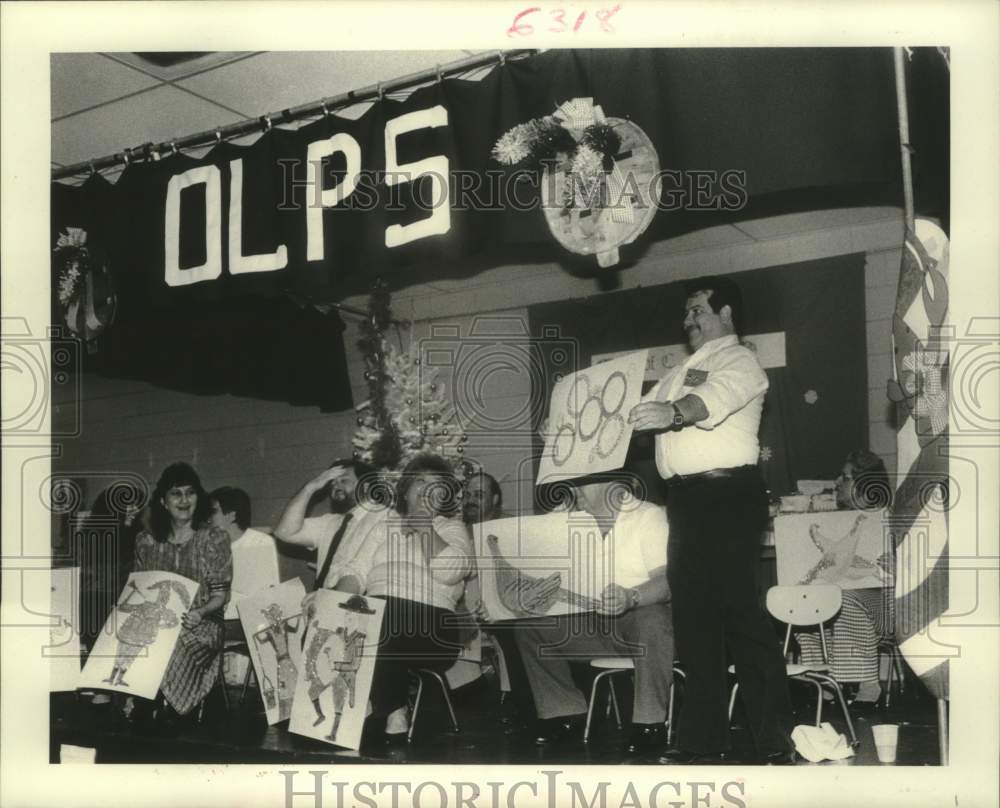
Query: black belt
x,y
679,480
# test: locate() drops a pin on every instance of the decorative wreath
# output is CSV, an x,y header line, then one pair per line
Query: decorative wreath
x,y
84,287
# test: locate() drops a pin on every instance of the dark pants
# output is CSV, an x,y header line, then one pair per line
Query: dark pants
x,y
644,634
414,635
713,560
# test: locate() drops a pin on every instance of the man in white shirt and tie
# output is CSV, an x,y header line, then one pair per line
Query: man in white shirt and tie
x,y
339,535
706,413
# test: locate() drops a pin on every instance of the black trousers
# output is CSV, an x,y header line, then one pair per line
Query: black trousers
x,y
413,635
713,561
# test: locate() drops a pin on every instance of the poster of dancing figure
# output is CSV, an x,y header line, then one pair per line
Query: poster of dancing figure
x,y
273,625
338,661
134,648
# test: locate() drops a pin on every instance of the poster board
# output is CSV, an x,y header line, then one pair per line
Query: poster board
x,y
531,566
63,651
133,650
837,547
273,626
588,428
338,661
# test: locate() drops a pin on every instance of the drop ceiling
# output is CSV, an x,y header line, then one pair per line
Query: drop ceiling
x,y
103,103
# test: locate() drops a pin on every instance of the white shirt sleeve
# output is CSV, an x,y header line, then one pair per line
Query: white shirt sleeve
x,y
454,563
317,530
730,387
653,538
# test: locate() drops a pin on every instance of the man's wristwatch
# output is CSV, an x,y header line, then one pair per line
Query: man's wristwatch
x,y
633,598
678,420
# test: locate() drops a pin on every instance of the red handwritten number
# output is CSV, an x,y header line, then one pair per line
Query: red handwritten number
x,y
559,16
579,21
606,14
519,28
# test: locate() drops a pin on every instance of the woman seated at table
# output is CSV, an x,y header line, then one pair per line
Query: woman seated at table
x,y
866,616
418,565
178,543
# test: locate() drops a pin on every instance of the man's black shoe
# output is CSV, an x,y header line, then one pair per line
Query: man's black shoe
x,y
646,738
779,759
681,757
559,730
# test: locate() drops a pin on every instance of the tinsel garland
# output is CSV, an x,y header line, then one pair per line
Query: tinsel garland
x,y
385,451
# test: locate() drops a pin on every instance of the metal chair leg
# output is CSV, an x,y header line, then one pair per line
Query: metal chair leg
x,y
416,707
590,706
670,714
840,697
614,701
447,697
246,682
732,699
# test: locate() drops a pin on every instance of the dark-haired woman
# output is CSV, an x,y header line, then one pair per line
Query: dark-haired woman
x,y
866,615
176,543
419,566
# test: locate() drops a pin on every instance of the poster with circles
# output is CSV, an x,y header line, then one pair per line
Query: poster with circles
x,y
588,428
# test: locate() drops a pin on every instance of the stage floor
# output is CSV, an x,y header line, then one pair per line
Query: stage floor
x,y
490,734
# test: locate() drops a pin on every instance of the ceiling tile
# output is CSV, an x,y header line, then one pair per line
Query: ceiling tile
x,y
272,81
82,80
158,115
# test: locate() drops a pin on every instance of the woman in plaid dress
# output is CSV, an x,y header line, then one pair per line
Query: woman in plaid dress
x,y
174,544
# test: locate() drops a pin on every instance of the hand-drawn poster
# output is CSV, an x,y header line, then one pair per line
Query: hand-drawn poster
x,y
851,549
338,661
132,652
588,427
63,651
531,566
255,567
274,626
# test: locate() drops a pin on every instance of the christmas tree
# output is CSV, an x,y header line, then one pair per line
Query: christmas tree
x,y
407,412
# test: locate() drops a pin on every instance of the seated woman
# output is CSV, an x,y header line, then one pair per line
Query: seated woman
x,y
177,544
418,564
866,615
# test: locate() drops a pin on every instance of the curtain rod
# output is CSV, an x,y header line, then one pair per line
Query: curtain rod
x,y
264,122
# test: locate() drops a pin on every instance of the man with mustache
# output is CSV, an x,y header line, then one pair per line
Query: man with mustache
x,y
706,413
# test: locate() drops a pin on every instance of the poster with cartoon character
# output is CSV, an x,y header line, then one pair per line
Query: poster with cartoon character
x,y
533,566
338,662
851,549
588,428
134,647
273,625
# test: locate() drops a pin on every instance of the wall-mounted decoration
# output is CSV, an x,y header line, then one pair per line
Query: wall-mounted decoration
x,y
338,661
273,625
588,428
133,650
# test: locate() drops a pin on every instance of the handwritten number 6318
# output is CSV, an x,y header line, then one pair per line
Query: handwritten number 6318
x,y
558,21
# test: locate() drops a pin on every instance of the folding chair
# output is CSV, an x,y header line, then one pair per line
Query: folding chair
x,y
807,606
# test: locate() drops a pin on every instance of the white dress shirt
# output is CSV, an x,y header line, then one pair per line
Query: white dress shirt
x,y
635,546
255,567
367,527
730,381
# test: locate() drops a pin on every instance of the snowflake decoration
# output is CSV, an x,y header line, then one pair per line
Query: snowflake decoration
x,y
811,396
765,454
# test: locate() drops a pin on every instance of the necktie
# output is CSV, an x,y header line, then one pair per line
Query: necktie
x,y
334,543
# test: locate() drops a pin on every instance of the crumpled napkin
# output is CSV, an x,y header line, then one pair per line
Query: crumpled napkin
x,y
820,743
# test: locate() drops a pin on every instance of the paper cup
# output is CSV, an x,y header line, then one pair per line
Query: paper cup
x,y
886,739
